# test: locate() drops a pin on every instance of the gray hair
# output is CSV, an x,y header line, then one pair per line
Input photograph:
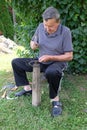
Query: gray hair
x,y
50,13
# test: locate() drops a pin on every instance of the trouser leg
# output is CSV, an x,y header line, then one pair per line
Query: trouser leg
x,y
20,67
53,74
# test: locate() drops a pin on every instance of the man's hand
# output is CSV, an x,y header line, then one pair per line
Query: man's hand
x,y
44,58
34,45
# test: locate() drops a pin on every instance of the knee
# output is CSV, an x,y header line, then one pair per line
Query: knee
x,y
14,61
52,73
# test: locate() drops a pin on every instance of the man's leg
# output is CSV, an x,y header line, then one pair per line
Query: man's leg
x,y
53,74
20,67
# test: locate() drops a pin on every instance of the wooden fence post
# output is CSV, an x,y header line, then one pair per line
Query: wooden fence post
x,y
36,88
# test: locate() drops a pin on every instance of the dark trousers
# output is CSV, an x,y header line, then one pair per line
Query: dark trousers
x,y
52,71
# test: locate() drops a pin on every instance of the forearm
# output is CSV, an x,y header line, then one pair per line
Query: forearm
x,y
68,56
64,57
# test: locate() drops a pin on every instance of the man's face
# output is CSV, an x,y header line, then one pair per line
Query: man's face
x,y
50,25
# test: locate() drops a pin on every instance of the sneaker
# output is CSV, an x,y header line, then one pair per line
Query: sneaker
x,y
56,108
23,92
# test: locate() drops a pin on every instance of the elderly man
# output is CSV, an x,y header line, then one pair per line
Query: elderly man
x,y
55,50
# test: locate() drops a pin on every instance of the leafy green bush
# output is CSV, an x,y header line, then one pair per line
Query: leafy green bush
x,y
2,30
6,20
79,63
73,15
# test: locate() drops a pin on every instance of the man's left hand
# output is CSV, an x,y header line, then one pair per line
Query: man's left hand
x,y
44,58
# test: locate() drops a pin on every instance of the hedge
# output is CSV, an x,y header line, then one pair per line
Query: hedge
x,y
6,24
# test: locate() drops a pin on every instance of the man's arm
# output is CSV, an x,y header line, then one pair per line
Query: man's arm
x,y
68,56
33,45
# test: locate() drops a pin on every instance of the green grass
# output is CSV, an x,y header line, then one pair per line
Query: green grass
x,y
19,114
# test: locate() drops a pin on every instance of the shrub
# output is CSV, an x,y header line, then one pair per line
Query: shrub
x,y
5,19
2,30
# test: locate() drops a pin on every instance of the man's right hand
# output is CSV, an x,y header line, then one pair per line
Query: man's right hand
x,y
34,45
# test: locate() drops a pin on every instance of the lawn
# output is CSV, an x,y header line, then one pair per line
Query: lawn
x,y
19,114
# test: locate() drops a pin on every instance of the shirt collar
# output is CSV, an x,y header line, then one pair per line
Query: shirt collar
x,y
58,32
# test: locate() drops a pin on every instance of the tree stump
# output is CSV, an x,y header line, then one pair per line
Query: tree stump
x,y
36,88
